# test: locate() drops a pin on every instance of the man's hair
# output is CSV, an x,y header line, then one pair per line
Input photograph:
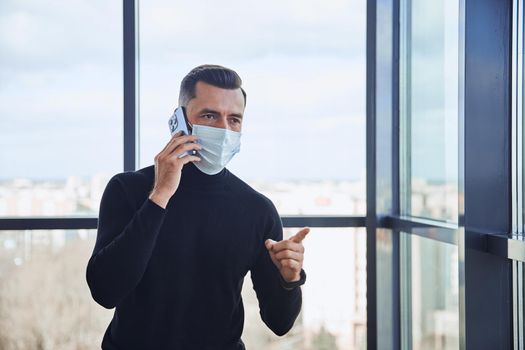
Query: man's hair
x,y
212,74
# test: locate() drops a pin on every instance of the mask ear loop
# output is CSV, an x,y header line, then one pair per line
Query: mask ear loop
x,y
190,125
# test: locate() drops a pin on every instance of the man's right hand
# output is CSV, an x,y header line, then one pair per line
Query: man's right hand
x,y
168,167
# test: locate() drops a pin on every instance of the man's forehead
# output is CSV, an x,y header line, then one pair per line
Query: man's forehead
x,y
207,93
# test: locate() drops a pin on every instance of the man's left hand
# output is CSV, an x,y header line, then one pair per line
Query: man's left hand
x,y
288,255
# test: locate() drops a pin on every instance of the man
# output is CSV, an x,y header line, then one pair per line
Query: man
x,y
175,239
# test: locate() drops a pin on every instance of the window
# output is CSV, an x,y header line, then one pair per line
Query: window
x,y
430,293
429,113
60,88
429,78
303,143
303,67
333,315
304,146
44,300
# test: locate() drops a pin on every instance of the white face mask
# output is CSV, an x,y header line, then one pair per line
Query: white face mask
x,y
218,147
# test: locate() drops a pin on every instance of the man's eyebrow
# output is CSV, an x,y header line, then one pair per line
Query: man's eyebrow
x,y
212,111
208,110
237,115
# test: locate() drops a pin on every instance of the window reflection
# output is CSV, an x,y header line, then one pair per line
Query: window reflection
x,y
430,302
429,108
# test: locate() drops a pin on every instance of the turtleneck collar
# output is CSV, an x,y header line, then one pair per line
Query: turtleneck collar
x,y
192,176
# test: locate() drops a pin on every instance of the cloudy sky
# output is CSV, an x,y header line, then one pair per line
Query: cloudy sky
x,y
302,65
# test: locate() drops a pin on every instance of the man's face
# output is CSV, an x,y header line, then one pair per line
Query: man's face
x,y
216,107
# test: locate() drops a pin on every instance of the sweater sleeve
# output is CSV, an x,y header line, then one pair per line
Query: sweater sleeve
x,y
125,240
278,306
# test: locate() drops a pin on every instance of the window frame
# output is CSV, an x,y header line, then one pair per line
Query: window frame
x,y
484,231
485,242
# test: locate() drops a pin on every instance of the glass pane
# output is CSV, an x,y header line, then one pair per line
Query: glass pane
x,y
429,294
45,302
429,108
518,306
60,88
385,283
332,318
303,68
54,263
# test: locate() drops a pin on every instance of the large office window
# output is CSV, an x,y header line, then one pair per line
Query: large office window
x,y
429,153
61,140
303,67
44,300
60,105
331,317
61,128
430,293
303,142
448,259
429,108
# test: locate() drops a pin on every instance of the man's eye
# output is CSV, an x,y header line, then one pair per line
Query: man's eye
x,y
208,116
236,121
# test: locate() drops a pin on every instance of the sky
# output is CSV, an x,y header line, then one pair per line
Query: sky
x,y
302,65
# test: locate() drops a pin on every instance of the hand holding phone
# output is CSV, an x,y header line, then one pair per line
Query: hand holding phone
x,y
167,171
168,166
179,122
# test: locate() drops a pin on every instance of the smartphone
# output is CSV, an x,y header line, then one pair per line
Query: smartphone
x,y
179,122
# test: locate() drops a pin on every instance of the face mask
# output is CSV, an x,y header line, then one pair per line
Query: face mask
x,y
218,147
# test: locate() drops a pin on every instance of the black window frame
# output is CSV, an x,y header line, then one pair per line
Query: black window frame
x,y
484,235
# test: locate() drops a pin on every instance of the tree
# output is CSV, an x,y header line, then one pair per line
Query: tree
x,y
324,340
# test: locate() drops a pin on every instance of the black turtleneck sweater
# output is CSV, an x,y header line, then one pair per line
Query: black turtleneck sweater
x,y
175,275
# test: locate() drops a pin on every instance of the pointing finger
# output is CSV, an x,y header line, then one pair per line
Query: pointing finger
x,y
299,236
287,244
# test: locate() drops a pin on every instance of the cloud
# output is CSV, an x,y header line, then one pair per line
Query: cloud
x,y
247,28
49,34
302,63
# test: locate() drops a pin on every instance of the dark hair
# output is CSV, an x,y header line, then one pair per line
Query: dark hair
x,y
212,74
